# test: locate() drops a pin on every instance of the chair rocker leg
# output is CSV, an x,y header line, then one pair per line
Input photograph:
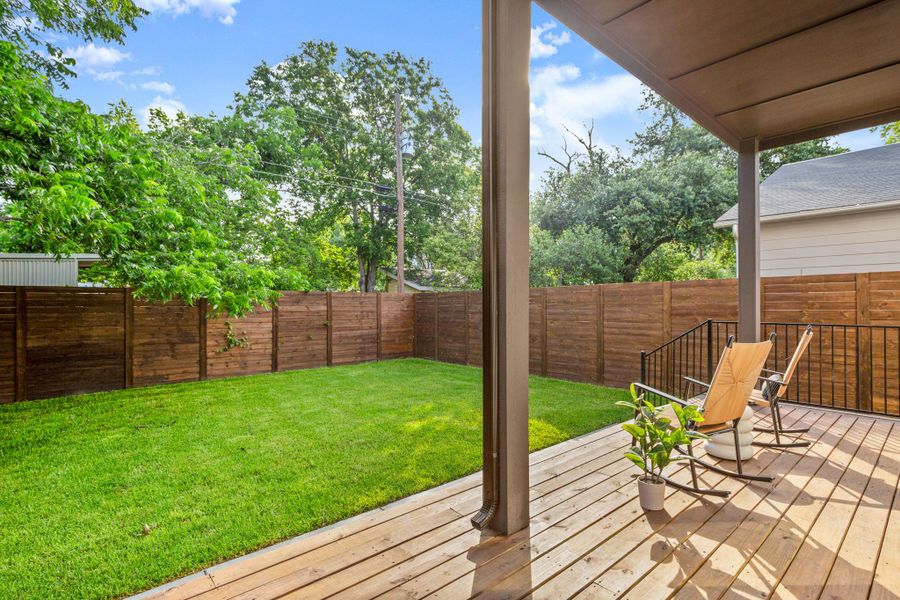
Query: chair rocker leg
x,y
693,489
781,444
729,473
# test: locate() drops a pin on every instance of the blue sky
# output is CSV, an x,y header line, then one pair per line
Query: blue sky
x,y
193,55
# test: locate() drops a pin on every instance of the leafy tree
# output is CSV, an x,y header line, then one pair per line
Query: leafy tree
x,y
169,220
577,256
31,25
347,110
608,213
890,133
678,262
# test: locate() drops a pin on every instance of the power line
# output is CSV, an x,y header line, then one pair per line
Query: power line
x,y
285,166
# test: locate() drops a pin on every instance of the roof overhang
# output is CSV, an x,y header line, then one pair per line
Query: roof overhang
x,y
781,72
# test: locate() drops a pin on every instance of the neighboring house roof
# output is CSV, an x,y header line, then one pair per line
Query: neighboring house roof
x,y
408,283
841,183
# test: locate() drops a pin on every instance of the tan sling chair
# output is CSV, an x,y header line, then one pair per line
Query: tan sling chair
x,y
775,385
724,402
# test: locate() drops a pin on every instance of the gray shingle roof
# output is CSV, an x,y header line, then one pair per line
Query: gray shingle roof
x,y
859,178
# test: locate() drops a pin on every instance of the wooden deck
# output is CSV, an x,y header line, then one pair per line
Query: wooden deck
x,y
828,527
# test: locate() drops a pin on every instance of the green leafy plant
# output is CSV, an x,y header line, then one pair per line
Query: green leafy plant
x,y
655,436
232,340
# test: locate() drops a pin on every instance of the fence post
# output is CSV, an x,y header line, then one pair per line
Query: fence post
x,y
437,300
330,325
202,310
466,324
129,338
545,359
377,325
21,337
600,366
275,337
864,400
709,350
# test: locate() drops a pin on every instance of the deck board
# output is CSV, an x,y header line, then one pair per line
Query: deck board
x,y
827,527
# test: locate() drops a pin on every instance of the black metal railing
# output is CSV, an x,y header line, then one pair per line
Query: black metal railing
x,y
850,367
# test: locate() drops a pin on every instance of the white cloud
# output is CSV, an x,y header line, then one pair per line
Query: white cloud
x,y
107,75
159,86
545,43
170,106
562,98
147,71
223,10
93,57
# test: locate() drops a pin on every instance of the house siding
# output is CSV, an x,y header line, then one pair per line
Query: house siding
x,y
848,243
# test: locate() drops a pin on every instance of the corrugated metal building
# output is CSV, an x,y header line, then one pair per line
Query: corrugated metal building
x,y
43,269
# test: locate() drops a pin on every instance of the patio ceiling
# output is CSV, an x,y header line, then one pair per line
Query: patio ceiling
x,y
781,72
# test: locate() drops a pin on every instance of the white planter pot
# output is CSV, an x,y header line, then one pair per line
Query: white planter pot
x,y
652,495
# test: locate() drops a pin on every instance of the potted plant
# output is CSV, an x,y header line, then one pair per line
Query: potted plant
x,y
655,437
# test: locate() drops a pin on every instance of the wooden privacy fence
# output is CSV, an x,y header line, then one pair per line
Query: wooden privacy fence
x,y
596,333
58,341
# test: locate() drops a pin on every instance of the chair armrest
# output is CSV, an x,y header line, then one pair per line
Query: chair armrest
x,y
696,381
669,397
773,372
771,380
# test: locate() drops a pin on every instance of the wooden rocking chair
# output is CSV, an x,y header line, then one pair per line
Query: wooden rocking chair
x,y
775,385
723,406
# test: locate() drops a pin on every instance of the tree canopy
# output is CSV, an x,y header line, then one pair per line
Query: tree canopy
x,y
33,26
346,109
602,216
170,220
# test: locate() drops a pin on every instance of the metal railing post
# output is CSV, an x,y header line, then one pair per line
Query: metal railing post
x,y
709,349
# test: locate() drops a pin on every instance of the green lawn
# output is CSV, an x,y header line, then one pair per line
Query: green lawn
x,y
106,494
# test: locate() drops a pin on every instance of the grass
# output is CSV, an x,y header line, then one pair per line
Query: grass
x,y
107,494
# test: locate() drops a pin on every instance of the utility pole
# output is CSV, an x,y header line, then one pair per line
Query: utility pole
x,y
398,150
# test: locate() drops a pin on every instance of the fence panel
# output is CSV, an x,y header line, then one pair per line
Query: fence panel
x,y
426,325
166,342
302,330
451,341
354,323
571,344
75,341
396,325
254,330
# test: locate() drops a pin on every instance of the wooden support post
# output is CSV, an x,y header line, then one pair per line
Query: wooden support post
x,y
864,389
329,339
129,338
748,241
506,30
202,310
275,337
21,343
378,306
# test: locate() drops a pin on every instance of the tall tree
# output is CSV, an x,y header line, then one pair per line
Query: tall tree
x,y
678,179
33,26
346,109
